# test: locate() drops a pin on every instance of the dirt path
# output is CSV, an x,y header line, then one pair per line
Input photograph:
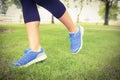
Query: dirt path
x,y
107,29
5,31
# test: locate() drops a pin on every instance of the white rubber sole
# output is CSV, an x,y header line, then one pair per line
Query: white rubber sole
x,y
39,58
82,32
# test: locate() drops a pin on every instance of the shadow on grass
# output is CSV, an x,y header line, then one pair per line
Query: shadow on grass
x,y
111,71
9,72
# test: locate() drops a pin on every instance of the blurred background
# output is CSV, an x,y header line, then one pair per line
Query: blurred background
x,y
92,11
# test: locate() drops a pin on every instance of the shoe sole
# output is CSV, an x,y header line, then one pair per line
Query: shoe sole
x,y
39,58
82,32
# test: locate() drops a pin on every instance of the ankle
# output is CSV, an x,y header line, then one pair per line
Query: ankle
x,y
73,30
36,49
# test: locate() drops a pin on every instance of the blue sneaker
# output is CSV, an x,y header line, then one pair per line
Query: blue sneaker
x,y
30,57
76,40
27,50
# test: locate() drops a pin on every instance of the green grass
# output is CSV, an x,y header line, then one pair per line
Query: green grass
x,y
99,58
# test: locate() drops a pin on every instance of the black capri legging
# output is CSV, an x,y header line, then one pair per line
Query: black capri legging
x,y
30,11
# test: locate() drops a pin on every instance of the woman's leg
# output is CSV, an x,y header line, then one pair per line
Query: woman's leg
x,y
32,21
67,21
59,11
32,29
34,53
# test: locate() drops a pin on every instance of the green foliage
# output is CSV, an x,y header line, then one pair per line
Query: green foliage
x,y
114,9
4,4
114,12
17,3
102,10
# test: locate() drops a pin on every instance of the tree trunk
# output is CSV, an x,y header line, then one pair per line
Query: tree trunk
x,y
52,20
78,18
106,21
80,10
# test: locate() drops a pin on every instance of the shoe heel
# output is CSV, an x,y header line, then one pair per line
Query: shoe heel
x,y
82,30
39,58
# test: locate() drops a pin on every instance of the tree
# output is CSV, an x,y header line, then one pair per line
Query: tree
x,y
109,4
114,11
4,4
52,19
78,5
17,3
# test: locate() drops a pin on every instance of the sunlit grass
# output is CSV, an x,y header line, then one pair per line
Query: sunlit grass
x,y
99,58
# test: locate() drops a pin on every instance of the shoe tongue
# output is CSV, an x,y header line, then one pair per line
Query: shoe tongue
x,y
72,35
27,50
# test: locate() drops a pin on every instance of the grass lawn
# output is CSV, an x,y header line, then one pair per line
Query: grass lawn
x,y
99,58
